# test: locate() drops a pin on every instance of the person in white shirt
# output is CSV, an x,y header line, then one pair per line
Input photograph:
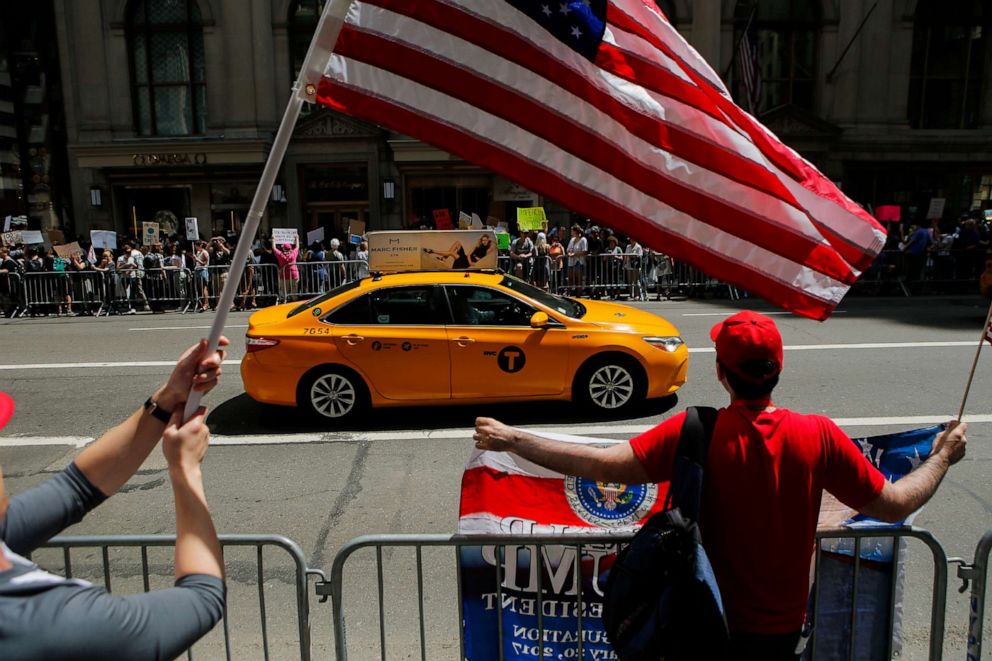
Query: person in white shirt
x,y
578,248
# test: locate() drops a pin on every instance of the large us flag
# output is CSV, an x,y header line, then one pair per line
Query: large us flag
x,y
602,106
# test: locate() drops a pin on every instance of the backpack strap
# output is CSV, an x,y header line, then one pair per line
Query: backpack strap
x,y
686,489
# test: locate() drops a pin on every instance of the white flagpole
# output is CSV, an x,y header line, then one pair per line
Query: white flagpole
x,y
304,89
971,376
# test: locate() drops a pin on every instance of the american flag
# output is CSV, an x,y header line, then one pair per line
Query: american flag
x,y
988,332
603,107
747,60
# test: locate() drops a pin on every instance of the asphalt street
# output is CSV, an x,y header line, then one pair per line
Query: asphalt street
x,y
878,365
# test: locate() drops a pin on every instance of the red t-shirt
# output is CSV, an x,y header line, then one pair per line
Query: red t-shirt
x,y
765,474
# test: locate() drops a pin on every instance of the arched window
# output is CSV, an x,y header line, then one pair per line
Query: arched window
x,y
168,73
950,48
303,17
786,32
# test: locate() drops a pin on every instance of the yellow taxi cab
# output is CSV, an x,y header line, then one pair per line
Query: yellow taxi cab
x,y
456,337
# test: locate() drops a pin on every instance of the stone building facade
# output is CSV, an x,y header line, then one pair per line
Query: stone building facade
x,y
171,106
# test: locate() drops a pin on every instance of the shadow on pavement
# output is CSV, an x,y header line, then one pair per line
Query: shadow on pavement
x,y
242,416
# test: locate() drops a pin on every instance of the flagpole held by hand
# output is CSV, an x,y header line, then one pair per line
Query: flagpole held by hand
x,y
986,336
305,89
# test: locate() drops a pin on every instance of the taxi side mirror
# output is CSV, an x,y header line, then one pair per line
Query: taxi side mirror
x,y
539,320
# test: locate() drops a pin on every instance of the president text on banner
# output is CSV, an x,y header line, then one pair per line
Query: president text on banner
x,y
603,105
432,250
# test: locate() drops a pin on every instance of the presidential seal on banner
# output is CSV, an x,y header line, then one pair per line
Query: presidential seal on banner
x,y
609,504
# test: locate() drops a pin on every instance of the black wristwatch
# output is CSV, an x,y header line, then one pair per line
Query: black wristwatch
x,y
154,409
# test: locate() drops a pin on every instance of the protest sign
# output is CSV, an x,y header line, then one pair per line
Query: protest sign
x,y
149,233
356,227
281,235
68,250
6,223
315,236
354,239
464,221
502,240
103,239
431,250
477,222
56,236
531,219
936,209
192,229
31,237
442,219
11,238
889,213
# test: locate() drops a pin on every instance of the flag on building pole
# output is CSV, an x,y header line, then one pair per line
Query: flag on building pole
x,y
747,60
603,107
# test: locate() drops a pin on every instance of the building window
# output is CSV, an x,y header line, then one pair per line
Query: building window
x,y
950,47
168,72
786,33
667,8
303,18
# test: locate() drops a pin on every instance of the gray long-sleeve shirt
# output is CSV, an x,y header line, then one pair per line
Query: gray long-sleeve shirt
x,y
48,617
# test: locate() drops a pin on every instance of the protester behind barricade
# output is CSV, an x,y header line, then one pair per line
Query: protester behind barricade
x,y
220,262
105,280
613,268
44,616
337,270
10,291
201,275
556,257
82,284
578,249
247,291
765,473
522,255
59,285
362,256
153,265
136,274
317,274
541,266
289,273
268,267
635,272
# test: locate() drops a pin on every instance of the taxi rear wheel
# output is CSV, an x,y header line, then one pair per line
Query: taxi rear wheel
x,y
332,394
610,385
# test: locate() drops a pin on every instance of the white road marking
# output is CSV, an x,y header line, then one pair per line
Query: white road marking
x,y
165,328
466,433
727,314
794,347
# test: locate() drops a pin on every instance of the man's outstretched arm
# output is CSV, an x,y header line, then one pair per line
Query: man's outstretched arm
x,y
901,498
616,463
112,460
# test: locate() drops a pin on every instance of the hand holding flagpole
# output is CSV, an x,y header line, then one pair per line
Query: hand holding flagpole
x,y
986,336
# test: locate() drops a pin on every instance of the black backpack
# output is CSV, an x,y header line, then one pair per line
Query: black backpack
x,y
662,601
150,261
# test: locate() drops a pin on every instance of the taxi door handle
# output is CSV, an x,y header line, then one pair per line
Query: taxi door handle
x,y
352,339
464,341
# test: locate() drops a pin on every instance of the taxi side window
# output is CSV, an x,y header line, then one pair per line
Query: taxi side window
x,y
355,313
408,306
481,306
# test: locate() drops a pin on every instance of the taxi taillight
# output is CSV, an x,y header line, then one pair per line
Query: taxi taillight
x,y
253,344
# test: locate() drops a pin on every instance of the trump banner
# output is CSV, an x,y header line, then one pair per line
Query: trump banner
x,y
519,602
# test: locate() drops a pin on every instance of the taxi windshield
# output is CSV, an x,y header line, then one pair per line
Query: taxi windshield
x,y
566,306
348,286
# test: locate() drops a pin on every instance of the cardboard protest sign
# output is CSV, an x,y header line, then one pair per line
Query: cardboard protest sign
x,y
31,237
315,236
431,250
68,250
11,238
531,219
936,209
356,227
103,239
149,233
464,221
192,229
891,213
281,235
476,222
56,236
442,219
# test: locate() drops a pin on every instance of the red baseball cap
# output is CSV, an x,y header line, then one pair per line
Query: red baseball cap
x,y
6,408
749,345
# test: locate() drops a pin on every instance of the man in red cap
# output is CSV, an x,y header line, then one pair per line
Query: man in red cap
x,y
766,470
43,616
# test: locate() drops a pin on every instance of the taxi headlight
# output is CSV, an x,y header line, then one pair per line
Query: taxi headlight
x,y
669,344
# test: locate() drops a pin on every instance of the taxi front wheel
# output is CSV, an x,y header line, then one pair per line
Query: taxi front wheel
x,y
610,385
332,394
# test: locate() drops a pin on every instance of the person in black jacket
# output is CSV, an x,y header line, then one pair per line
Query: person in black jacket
x,y
43,616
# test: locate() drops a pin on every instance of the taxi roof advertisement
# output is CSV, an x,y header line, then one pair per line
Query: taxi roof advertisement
x,y
432,250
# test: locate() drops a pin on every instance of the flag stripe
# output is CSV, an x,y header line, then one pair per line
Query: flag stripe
x,y
763,221
419,111
867,234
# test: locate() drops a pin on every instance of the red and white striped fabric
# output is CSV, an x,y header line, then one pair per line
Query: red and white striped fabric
x,y
988,333
642,136
505,494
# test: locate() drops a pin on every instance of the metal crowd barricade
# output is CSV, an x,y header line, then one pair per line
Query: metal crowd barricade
x,y
168,289
137,572
11,295
317,278
432,598
49,292
978,574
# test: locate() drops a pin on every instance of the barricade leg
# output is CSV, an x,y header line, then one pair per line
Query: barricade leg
x,y
978,574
